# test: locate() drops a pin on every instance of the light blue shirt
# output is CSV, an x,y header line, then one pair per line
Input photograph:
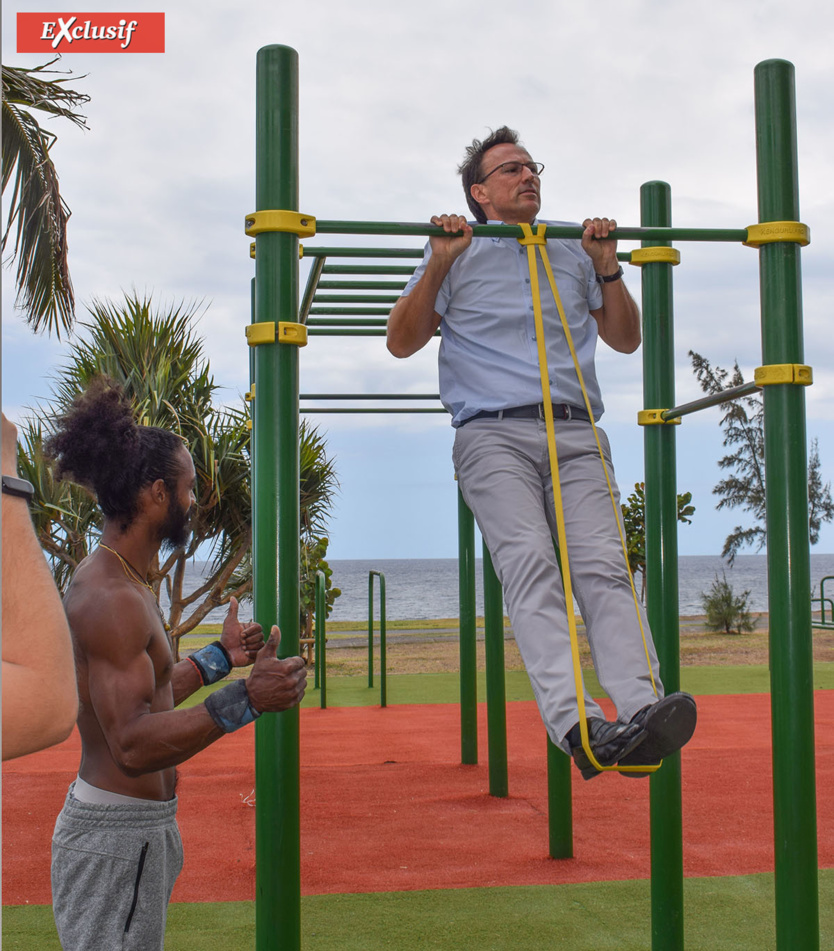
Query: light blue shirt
x,y
488,356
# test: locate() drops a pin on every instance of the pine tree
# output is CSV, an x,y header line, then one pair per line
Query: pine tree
x,y
744,485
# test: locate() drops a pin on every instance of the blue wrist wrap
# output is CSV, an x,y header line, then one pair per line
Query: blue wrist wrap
x,y
212,662
230,708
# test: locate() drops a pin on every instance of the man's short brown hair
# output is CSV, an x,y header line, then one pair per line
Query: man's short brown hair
x,y
470,167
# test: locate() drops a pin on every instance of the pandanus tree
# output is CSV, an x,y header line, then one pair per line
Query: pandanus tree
x,y
156,357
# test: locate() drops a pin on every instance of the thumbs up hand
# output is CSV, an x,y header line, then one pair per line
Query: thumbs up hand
x,y
242,641
275,685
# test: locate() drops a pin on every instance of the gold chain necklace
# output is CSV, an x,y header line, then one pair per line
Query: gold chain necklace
x,y
137,578
128,568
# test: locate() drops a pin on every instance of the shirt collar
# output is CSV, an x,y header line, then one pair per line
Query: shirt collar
x,y
493,221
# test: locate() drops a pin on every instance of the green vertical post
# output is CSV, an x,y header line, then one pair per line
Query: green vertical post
x,y
321,638
496,692
788,559
468,634
383,673
662,568
559,802
371,628
275,502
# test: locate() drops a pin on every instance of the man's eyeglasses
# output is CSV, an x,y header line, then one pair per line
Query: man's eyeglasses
x,y
511,169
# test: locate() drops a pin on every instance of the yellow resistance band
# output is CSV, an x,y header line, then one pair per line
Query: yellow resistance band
x,y
533,241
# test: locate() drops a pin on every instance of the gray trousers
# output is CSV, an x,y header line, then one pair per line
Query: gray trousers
x,y
504,476
113,870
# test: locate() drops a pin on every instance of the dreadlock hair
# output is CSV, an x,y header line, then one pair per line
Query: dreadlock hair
x,y
470,167
98,444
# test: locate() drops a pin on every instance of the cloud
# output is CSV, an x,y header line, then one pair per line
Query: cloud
x,y
608,96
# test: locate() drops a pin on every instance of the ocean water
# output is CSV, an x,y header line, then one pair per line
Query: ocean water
x,y
428,587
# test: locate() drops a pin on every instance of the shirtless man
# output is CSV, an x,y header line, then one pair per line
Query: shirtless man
x,y
116,849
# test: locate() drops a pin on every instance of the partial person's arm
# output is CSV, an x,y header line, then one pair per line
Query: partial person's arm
x,y
619,317
122,685
413,320
40,703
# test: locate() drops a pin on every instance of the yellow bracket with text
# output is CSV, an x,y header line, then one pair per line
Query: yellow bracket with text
x,y
769,232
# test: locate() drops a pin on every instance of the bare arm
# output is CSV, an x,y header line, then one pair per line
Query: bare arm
x,y
619,318
40,703
413,319
123,689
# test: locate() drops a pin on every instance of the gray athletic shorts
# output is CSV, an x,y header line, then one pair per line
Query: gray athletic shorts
x,y
113,870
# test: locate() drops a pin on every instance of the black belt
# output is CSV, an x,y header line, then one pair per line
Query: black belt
x,y
533,411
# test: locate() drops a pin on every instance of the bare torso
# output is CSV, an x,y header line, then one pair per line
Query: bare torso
x,y
124,664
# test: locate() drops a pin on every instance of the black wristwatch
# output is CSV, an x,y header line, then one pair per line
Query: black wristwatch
x,y
19,487
608,278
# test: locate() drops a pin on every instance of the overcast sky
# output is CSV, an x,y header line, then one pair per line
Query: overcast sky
x,y
608,95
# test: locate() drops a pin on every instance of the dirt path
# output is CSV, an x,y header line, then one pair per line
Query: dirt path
x,y
419,652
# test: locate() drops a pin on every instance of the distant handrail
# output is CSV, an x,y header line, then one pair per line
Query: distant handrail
x,y
383,688
822,600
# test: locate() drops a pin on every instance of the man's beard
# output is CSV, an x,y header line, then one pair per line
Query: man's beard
x,y
176,529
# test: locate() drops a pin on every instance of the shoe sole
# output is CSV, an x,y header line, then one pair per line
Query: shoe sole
x,y
669,724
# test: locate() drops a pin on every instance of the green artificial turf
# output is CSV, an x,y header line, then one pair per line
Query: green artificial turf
x,y
445,688
721,914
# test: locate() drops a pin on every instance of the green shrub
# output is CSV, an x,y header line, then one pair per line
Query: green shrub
x,y
724,610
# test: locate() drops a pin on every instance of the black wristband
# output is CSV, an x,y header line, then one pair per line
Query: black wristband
x,y
610,278
18,487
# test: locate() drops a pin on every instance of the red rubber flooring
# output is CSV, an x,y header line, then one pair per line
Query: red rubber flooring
x,y
388,807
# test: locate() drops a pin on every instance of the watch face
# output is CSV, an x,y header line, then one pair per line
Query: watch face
x,y
18,487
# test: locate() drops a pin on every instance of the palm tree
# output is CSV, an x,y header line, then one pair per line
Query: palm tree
x,y
153,354
36,209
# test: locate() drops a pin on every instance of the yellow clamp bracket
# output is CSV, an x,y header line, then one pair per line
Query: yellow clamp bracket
x,y
261,332
641,256
250,395
654,417
249,425
252,250
769,232
290,221
284,332
530,238
784,373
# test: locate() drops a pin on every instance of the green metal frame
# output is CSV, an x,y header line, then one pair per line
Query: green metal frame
x,y
383,664
320,682
275,512
822,600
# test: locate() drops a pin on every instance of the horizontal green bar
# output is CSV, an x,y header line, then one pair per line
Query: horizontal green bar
x,y
404,228
347,322
368,269
371,409
362,285
369,396
716,399
339,331
351,311
348,332
362,252
354,299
